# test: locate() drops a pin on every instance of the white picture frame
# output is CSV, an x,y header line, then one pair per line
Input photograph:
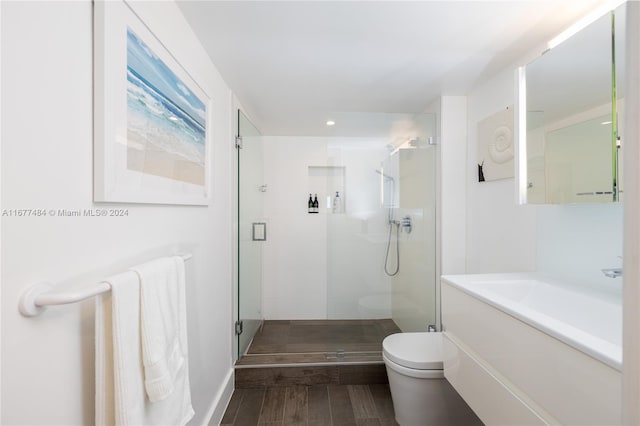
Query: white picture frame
x,y
152,121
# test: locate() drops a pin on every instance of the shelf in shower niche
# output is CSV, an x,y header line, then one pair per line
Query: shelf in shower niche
x,y
326,181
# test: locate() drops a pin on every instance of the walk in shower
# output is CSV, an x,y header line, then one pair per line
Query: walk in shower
x,y
330,283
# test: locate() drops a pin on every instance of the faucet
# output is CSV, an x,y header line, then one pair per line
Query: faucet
x,y
612,272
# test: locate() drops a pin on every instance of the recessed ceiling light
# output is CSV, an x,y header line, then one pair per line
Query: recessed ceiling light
x,y
330,122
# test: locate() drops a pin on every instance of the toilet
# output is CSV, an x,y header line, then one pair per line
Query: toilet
x,y
420,393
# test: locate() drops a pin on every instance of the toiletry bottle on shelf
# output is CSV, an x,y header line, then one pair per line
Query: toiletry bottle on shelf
x,y
337,204
316,205
310,205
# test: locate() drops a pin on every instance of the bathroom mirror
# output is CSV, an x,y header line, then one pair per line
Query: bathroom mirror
x,y
568,127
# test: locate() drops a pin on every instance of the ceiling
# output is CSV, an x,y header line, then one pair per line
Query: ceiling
x,y
295,64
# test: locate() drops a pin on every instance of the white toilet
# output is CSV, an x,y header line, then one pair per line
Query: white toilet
x,y
421,395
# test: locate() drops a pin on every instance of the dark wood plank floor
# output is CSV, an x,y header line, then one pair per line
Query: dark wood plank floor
x,y
357,405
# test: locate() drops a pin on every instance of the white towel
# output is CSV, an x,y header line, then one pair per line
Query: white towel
x,y
163,324
121,396
118,368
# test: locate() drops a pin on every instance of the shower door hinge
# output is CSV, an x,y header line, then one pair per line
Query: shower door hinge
x,y
239,142
238,327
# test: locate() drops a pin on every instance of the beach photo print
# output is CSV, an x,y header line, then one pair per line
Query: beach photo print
x,y
151,138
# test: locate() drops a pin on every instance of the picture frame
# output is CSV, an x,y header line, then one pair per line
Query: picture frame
x,y
152,121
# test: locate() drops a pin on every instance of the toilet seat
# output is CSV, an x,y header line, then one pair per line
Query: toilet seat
x,y
415,351
410,372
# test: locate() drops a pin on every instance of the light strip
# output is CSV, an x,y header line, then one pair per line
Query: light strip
x,y
521,132
584,22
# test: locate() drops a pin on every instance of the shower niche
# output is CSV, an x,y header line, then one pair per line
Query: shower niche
x,y
327,182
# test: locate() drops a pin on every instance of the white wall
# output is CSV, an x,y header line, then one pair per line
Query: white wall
x,y
576,241
47,362
453,177
295,253
501,235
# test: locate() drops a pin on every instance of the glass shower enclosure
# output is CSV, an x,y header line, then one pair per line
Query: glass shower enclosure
x,y
251,231
381,246
363,265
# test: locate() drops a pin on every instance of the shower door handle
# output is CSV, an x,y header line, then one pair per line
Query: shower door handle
x,y
259,231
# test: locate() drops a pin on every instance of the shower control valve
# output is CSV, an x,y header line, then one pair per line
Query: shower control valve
x,y
407,224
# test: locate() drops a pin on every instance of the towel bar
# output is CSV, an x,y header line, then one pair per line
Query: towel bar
x,y
37,297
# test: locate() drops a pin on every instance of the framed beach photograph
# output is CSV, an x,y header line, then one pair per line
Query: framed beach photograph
x,y
151,119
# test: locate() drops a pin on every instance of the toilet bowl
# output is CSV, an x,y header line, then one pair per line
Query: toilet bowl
x,y
420,393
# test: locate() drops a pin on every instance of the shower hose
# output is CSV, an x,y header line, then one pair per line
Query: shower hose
x,y
386,257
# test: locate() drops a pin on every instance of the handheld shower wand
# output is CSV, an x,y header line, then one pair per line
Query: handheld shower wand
x,y
391,223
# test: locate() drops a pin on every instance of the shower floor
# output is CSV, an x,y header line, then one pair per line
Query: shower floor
x,y
319,341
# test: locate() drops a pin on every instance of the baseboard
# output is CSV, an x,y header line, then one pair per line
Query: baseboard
x,y
220,402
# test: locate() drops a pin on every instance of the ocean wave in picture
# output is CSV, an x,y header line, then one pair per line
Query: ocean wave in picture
x,y
165,121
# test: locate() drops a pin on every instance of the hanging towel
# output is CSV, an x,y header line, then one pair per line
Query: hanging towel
x,y
118,369
121,375
163,324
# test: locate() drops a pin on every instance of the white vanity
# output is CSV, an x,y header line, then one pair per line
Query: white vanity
x,y
526,350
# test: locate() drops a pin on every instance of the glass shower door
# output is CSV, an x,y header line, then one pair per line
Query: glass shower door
x,y
251,232
381,246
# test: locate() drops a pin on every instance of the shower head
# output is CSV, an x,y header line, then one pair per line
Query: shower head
x,y
408,143
385,175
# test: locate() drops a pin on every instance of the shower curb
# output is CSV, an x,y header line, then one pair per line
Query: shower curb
x,y
310,375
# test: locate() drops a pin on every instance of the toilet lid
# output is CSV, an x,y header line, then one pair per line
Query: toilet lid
x,y
421,351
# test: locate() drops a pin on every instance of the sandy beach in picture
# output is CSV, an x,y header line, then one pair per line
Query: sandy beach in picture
x,y
166,125
145,157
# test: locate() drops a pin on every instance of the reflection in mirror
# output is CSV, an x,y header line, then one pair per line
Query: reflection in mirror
x,y
571,120
585,178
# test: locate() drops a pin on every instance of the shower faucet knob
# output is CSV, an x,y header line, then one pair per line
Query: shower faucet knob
x,y
407,224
